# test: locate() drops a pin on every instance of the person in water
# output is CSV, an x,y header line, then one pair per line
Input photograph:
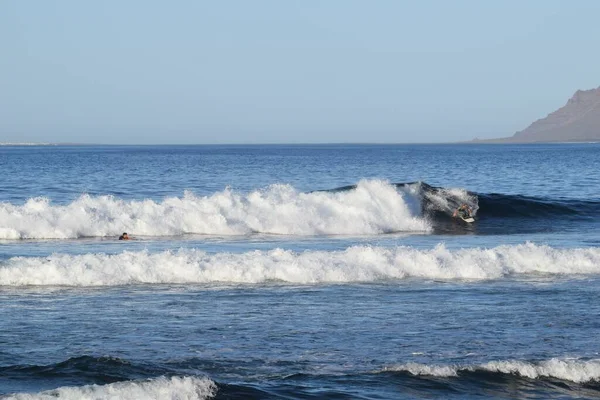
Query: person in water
x,y
464,211
124,236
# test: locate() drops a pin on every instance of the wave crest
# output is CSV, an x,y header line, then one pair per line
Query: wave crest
x,y
193,388
355,264
578,371
373,207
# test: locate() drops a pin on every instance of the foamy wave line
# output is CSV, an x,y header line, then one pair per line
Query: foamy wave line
x,y
355,264
373,207
192,388
566,369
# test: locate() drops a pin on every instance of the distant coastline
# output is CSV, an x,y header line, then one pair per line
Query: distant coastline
x,y
578,121
26,144
510,140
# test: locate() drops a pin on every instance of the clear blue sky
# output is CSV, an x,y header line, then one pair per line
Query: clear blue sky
x,y
284,71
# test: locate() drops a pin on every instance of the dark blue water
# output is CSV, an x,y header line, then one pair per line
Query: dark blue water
x,y
299,272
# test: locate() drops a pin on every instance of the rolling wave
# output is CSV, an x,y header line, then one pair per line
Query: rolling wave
x,y
369,208
496,205
551,378
355,264
574,370
192,388
439,201
374,207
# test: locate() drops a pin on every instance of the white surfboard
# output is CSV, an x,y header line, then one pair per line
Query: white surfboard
x,y
469,220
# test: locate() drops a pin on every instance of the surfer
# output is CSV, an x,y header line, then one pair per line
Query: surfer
x,y
464,211
124,236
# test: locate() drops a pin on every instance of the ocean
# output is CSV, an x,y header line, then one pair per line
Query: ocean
x,y
300,272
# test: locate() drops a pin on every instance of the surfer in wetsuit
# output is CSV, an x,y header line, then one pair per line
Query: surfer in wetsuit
x,y
464,211
124,236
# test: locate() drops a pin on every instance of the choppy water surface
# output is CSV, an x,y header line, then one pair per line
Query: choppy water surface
x,y
299,272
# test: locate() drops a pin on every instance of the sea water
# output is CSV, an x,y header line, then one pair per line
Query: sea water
x,y
305,271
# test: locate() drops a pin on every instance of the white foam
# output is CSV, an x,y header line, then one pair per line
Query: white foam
x,y
569,370
373,207
448,199
573,370
355,264
426,370
189,388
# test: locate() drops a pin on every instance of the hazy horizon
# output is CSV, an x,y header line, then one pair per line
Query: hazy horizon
x,y
270,72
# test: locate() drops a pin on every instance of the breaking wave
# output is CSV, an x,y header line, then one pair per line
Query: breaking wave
x,y
497,205
440,202
192,388
434,202
374,207
369,208
574,370
355,264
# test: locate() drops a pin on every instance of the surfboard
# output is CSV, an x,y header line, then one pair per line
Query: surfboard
x,y
469,220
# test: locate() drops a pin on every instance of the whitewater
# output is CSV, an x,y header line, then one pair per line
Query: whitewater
x,y
573,370
373,207
189,388
356,264
297,272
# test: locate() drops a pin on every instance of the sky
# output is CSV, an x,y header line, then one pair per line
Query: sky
x,y
287,71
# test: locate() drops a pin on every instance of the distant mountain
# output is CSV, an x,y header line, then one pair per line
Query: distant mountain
x,y
576,121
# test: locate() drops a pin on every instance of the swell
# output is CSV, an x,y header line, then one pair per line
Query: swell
x,y
85,369
517,206
549,378
355,264
99,378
